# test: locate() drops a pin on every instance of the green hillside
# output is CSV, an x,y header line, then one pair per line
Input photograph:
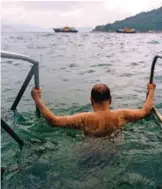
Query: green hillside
x,y
143,22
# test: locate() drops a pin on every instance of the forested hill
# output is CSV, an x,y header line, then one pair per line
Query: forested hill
x,y
143,22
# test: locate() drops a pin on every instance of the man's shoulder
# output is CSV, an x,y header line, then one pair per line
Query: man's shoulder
x,y
118,112
130,114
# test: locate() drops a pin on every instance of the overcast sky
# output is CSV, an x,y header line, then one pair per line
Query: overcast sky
x,y
48,14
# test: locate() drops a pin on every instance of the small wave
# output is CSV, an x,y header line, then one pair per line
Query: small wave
x,y
42,66
141,61
97,80
63,68
7,90
80,45
108,71
6,47
153,42
65,35
89,71
16,64
108,56
158,77
18,82
72,65
85,35
65,79
7,115
100,65
134,178
8,62
48,35
20,38
11,37
100,46
38,47
134,63
126,74
35,47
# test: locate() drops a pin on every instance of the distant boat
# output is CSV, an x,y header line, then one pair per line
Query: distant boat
x,y
126,30
66,30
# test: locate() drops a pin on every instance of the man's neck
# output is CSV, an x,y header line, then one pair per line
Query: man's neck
x,y
101,107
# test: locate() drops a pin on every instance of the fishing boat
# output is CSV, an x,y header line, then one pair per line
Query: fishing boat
x,y
66,29
126,30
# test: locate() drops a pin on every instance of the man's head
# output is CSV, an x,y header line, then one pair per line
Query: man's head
x,y
100,94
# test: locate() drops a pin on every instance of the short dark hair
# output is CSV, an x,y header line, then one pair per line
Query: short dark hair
x,y
100,93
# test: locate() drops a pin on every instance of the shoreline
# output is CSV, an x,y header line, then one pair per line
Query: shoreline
x,y
148,32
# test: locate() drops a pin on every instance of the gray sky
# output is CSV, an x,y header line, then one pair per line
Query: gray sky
x,y
48,14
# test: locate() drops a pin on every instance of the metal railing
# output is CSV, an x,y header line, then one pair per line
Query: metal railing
x,y
157,113
33,71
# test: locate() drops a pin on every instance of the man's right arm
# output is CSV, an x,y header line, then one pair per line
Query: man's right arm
x,y
136,114
76,121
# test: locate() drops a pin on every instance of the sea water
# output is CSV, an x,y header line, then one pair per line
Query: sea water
x,y
70,64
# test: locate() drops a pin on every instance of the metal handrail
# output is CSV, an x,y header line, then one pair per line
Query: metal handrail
x,y
156,112
33,71
7,128
5,54
153,67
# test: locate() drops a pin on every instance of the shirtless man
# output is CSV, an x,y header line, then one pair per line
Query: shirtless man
x,y
102,121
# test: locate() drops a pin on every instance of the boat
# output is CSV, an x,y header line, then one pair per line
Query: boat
x,y
126,30
66,29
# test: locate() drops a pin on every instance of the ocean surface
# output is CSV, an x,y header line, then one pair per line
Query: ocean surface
x,y
70,64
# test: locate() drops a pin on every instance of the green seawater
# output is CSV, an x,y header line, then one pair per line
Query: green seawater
x,y
70,64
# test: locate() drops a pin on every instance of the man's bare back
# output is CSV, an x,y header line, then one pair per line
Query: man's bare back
x,y
102,121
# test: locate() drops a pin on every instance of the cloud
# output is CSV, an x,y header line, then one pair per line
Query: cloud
x,y
48,14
